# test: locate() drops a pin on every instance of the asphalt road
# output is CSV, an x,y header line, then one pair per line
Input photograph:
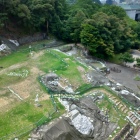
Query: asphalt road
x,y
126,77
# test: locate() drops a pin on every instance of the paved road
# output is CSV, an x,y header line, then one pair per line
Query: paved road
x,y
126,77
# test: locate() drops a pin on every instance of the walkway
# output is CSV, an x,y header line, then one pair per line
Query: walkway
x,y
126,77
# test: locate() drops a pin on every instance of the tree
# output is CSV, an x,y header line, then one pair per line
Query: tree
x,y
138,62
3,14
79,11
136,29
114,10
59,18
41,13
3,19
126,57
89,7
87,37
106,35
76,26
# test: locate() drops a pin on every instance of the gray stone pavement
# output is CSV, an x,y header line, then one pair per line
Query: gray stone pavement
x,y
126,77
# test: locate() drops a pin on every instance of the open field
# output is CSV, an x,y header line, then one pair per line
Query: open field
x,y
19,86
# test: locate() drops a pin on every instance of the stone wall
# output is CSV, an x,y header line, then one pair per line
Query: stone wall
x,y
32,38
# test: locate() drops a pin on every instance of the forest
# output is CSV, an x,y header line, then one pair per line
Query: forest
x,y
105,30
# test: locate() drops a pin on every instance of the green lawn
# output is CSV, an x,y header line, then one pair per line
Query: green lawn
x,y
63,65
22,54
24,115
14,76
14,58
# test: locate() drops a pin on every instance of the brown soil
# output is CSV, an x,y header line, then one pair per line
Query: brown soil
x,y
29,87
16,66
3,102
82,71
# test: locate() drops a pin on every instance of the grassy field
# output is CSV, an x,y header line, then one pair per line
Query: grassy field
x,y
14,58
26,114
14,76
16,114
21,115
21,71
63,65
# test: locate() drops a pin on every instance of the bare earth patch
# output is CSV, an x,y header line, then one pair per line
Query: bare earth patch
x,y
36,55
3,102
82,72
29,87
16,66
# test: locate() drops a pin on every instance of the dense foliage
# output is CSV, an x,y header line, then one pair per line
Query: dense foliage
x,y
106,34
138,62
126,58
104,29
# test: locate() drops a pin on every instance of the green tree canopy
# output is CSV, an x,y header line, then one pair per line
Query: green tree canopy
x,y
114,10
138,62
126,57
106,35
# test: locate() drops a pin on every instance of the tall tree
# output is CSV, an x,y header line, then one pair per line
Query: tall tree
x,y
41,13
105,35
58,18
3,13
76,26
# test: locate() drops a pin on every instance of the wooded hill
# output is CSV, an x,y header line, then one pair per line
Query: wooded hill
x,y
105,30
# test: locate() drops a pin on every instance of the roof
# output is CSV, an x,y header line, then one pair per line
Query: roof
x,y
129,6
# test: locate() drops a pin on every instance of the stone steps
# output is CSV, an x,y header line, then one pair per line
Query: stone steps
x,y
120,106
130,114
137,121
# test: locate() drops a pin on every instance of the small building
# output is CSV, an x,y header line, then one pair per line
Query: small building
x,y
132,10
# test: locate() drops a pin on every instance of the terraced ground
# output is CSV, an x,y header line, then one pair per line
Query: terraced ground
x,y
19,86
118,111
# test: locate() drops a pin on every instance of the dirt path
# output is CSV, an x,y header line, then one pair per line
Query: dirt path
x,y
16,66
